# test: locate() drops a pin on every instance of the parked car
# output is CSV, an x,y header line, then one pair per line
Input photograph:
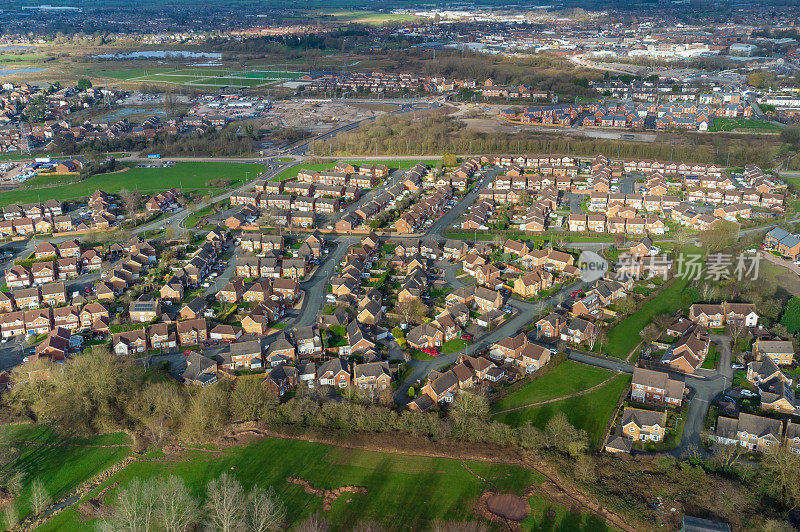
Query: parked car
x,y
466,336
748,393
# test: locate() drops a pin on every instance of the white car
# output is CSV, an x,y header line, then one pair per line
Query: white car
x,y
748,393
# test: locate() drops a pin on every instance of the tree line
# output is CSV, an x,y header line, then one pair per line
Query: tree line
x,y
434,133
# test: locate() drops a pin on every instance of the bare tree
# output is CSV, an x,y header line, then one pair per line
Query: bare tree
x,y
467,406
650,332
594,335
736,329
177,509
39,498
135,508
314,523
584,468
265,512
10,516
784,468
224,497
411,311
726,455
131,199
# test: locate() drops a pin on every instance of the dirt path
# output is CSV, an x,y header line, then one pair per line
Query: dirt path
x,y
87,445
556,399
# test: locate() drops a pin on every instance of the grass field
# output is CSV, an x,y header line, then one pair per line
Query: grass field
x,y
403,492
624,337
213,76
733,124
188,176
590,412
392,164
61,468
565,379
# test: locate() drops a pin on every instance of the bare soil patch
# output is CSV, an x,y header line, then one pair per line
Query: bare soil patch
x,y
328,496
94,507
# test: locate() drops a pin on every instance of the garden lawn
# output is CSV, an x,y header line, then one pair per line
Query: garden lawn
x,y
186,176
711,359
625,335
565,379
61,469
454,345
590,412
403,492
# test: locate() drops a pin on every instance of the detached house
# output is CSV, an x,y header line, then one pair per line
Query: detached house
x,y
755,433
657,387
643,425
334,373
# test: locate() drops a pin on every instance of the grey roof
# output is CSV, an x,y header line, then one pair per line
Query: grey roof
x,y
761,426
643,417
619,443
247,347
696,524
373,369
334,366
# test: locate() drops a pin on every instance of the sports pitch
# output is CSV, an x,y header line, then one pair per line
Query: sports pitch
x,y
217,77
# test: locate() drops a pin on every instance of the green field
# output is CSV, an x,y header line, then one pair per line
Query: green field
x,y
374,18
403,492
123,73
392,164
213,76
733,124
590,412
624,337
565,379
61,469
187,176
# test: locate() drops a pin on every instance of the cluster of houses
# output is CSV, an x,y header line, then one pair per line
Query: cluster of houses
x,y
673,115
385,82
783,242
412,183
34,218
757,434
659,391
468,373
163,201
425,209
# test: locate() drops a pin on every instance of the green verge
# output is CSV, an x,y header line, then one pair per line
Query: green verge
x,y
567,378
590,412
